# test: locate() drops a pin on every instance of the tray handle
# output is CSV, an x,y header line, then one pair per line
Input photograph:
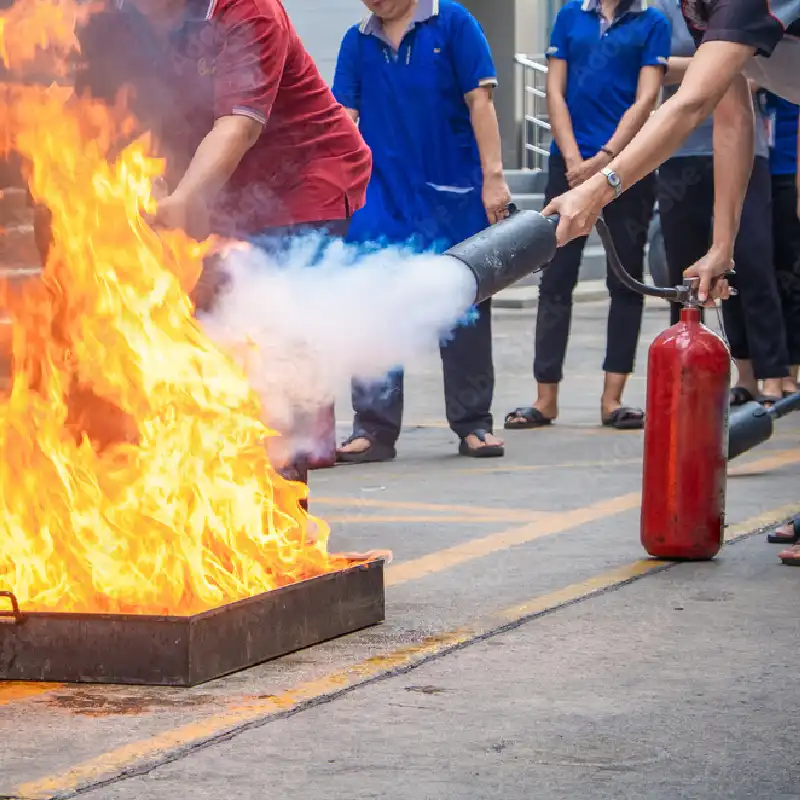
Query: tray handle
x,y
14,616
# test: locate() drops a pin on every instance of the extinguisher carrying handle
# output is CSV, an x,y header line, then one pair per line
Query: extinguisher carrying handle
x,y
686,294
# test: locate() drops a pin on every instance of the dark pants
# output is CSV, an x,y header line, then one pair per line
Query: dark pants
x,y
468,387
786,235
753,320
628,219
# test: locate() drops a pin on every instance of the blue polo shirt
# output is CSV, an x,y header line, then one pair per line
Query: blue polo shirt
x,y
426,171
784,118
603,63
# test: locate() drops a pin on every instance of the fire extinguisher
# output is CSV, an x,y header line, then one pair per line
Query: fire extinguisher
x,y
686,427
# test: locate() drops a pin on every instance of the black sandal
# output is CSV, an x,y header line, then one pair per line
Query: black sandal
x,y
531,418
625,418
792,538
740,396
374,454
487,451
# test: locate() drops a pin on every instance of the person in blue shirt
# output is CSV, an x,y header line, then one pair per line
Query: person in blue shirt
x,y
418,76
606,65
785,222
753,321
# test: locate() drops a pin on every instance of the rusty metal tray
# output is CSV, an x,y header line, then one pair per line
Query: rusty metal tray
x,y
186,651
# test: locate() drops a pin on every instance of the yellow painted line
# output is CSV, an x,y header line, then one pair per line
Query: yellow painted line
x,y
577,591
478,548
245,711
770,463
564,465
476,519
523,515
12,691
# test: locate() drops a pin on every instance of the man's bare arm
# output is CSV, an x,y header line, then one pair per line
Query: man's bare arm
x,y
733,162
487,131
714,68
218,156
676,70
483,117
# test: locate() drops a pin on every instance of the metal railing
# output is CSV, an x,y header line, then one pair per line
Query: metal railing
x,y
536,135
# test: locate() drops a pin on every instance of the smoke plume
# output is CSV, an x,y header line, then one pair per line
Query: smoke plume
x,y
319,312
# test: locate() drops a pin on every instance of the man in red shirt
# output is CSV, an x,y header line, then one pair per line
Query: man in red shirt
x,y
277,149
256,147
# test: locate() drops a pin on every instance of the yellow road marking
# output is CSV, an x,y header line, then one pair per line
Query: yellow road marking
x,y
564,465
12,691
477,519
478,548
767,464
523,515
243,711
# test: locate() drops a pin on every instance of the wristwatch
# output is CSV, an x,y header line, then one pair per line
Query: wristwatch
x,y
614,181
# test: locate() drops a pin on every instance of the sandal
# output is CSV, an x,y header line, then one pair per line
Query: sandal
x,y
487,451
791,556
740,396
374,454
530,418
625,418
792,538
767,400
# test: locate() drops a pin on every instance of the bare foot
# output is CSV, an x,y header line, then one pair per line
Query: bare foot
x,y
475,443
772,387
358,445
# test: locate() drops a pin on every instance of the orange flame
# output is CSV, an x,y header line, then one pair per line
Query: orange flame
x,y
41,34
134,472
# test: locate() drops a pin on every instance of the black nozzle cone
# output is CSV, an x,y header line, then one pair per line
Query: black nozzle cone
x,y
512,249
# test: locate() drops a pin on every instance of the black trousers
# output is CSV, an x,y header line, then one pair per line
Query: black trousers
x,y
468,387
628,219
786,236
753,320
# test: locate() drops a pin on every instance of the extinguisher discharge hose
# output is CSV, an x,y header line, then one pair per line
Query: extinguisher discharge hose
x,y
673,294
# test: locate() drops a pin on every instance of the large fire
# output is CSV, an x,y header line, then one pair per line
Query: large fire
x,y
134,471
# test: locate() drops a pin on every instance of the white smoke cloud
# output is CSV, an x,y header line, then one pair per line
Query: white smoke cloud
x,y
318,315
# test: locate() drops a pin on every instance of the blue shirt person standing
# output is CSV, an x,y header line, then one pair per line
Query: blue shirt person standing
x,y
686,189
418,77
785,222
606,65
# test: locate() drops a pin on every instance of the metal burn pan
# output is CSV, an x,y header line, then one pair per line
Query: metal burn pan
x,y
186,651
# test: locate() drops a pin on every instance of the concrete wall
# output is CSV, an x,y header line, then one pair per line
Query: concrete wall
x,y
511,26
322,24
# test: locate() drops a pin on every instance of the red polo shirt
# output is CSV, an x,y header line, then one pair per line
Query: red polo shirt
x,y
310,163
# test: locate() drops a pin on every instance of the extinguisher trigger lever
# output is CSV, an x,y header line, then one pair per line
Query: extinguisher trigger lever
x,y
689,292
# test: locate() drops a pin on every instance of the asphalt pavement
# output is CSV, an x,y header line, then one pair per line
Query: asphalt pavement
x,y
530,650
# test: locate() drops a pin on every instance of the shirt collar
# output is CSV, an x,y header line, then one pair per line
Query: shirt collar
x,y
624,7
426,9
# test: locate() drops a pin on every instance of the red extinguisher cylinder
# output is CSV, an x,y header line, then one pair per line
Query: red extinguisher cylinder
x,y
685,442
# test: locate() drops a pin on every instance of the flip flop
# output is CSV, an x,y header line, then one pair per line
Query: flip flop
x,y
625,418
767,400
790,556
740,396
376,453
487,451
532,418
793,538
